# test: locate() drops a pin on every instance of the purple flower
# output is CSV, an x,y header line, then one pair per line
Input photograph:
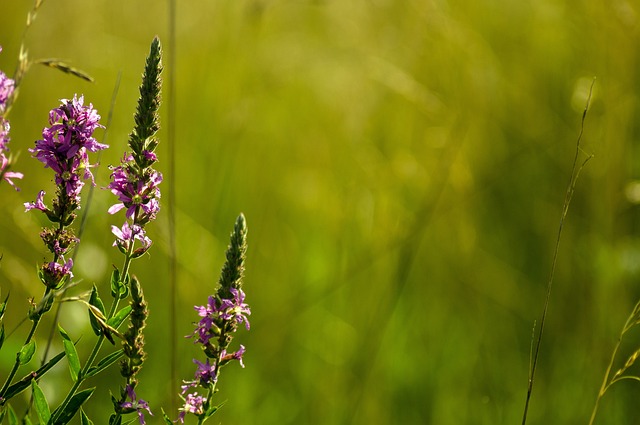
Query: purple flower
x,y
225,357
38,205
128,234
4,135
7,86
135,405
192,404
235,309
226,310
139,194
8,175
206,372
54,274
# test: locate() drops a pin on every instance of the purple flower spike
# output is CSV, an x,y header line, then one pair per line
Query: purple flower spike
x,y
7,86
64,146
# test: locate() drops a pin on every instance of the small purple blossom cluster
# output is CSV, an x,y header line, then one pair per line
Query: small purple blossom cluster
x,y
137,190
133,404
219,318
7,86
64,148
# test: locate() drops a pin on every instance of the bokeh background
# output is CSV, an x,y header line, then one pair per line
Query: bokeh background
x,y
402,167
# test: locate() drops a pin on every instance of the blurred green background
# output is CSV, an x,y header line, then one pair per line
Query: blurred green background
x,y
402,167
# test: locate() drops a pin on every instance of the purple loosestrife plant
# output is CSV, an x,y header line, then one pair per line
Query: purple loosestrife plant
x,y
64,149
224,312
7,87
135,183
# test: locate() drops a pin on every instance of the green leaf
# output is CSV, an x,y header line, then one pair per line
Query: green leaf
x,y
84,419
105,363
24,383
74,405
40,403
119,317
96,302
13,418
26,353
119,288
66,68
26,421
213,409
72,354
1,335
3,307
167,421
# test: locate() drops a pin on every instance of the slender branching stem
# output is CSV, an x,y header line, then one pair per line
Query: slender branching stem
x,y
607,381
16,365
575,172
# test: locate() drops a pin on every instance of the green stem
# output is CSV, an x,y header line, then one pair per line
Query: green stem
x,y
97,346
632,320
16,365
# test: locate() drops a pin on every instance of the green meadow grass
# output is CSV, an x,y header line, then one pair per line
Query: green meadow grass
x,y
402,167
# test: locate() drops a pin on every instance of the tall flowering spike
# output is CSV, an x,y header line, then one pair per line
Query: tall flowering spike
x,y
141,139
233,269
64,148
134,181
219,320
7,87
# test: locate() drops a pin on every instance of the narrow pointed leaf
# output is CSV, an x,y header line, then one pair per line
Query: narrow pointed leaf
x,y
1,334
167,421
84,419
13,418
74,405
26,353
105,363
3,307
24,383
40,403
66,68
72,354
96,302
119,317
